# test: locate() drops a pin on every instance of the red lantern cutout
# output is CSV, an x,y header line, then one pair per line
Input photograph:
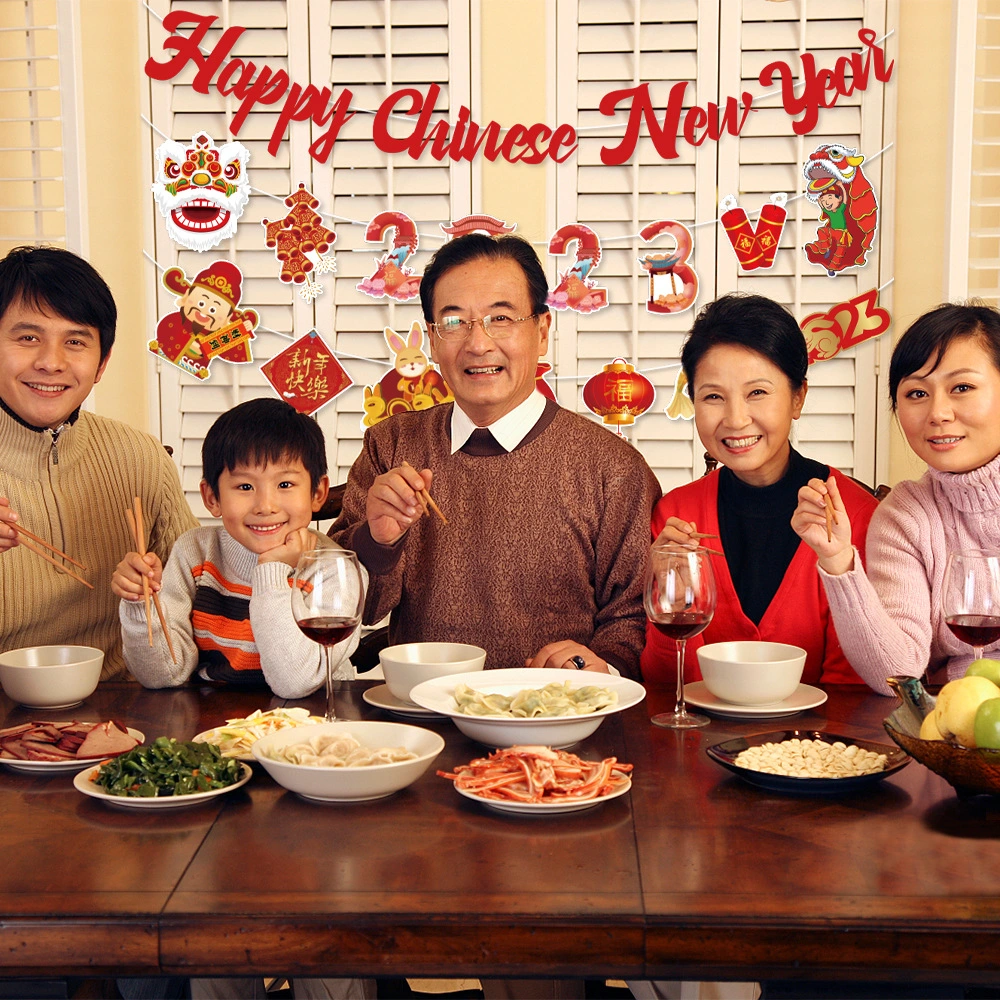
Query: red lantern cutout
x,y
619,394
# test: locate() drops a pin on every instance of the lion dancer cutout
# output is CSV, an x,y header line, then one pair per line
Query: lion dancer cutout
x,y
208,324
849,206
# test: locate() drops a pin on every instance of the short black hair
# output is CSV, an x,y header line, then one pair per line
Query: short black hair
x,y
261,431
752,321
930,335
51,279
479,246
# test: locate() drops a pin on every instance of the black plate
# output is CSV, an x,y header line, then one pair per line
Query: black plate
x,y
726,753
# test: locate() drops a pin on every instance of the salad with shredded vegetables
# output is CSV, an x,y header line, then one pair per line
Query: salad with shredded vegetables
x,y
237,736
167,767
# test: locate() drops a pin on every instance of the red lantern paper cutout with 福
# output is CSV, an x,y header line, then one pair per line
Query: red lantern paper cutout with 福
x,y
619,394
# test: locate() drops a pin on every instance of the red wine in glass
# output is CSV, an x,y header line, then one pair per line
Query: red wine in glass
x,y
683,624
327,631
975,630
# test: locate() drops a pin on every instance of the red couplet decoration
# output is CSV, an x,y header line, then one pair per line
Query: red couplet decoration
x,y
618,394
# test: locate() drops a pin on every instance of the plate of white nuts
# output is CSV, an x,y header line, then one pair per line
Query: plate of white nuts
x,y
808,761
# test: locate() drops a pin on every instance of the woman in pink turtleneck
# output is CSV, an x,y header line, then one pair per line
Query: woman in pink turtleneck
x,y
944,381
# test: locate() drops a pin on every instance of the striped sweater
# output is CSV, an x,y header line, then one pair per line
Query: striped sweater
x,y
230,620
71,487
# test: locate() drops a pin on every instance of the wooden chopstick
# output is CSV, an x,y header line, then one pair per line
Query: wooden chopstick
x,y
135,523
711,552
58,565
41,541
831,519
701,534
426,500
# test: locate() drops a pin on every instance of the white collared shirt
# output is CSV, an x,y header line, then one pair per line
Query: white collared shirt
x,y
510,430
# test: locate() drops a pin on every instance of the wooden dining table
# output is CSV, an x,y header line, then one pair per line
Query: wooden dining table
x,y
693,874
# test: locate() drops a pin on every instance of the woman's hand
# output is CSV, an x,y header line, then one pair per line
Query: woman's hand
x,y
678,532
836,552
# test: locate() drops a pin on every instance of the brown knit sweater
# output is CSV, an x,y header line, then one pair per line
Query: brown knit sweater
x,y
544,543
73,493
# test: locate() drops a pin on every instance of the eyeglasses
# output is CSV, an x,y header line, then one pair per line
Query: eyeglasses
x,y
497,327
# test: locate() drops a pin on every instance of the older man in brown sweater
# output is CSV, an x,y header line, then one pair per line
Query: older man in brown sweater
x,y
67,475
542,559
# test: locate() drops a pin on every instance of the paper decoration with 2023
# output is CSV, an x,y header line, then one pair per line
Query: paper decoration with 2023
x,y
673,282
575,290
201,189
848,206
755,246
618,394
306,374
392,278
845,325
300,241
208,324
413,384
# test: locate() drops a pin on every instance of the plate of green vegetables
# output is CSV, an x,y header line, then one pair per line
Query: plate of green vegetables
x,y
164,774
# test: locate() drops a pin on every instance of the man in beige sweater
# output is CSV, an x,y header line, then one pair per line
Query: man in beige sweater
x,y
65,474
542,559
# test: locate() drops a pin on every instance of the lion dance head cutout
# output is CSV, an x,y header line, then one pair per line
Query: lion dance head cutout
x,y
201,190
850,210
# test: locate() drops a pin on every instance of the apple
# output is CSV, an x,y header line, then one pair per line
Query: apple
x,y
929,729
987,724
955,712
984,668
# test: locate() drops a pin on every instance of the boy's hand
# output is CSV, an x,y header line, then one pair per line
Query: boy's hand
x,y
295,543
127,580
8,536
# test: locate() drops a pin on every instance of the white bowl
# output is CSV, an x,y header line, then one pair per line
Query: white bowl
x,y
412,663
50,676
351,784
751,673
438,695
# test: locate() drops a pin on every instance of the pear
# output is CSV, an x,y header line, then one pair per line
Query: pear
x,y
955,712
929,729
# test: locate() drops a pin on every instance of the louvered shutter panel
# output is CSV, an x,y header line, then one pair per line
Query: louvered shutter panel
x,y
370,48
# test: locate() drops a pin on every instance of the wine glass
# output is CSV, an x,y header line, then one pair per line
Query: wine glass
x,y
971,597
328,598
680,601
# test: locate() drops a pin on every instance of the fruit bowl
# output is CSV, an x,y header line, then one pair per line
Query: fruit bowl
x,y
969,772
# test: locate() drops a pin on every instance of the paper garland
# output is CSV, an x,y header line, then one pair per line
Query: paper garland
x,y
392,278
755,246
300,240
575,290
306,374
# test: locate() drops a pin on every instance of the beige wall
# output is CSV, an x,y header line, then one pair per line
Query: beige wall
x,y
510,191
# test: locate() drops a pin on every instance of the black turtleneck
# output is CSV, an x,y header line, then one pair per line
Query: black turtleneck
x,y
756,532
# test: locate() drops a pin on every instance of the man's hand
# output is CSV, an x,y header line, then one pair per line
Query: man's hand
x,y
8,536
562,654
291,549
129,573
392,505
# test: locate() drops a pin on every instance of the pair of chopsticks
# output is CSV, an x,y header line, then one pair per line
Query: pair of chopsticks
x,y
21,530
139,533
426,500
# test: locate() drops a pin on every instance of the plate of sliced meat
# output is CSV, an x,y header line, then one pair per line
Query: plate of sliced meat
x,y
64,747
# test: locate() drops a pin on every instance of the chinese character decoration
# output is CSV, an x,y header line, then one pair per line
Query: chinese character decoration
x,y
755,246
618,394
306,374
478,224
300,241
201,190
673,282
844,326
207,324
848,205
392,278
413,384
575,290
680,406
540,384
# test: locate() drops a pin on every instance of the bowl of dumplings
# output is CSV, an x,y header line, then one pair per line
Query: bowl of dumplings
x,y
528,705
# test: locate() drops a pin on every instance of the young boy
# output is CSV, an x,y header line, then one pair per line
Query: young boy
x,y
224,591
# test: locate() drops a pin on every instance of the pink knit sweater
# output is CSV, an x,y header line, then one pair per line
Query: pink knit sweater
x,y
889,621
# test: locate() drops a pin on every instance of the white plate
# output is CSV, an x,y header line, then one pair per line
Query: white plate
x,y
804,697
382,697
544,808
82,783
43,767
558,732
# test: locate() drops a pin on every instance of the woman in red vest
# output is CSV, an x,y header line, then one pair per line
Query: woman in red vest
x,y
745,362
